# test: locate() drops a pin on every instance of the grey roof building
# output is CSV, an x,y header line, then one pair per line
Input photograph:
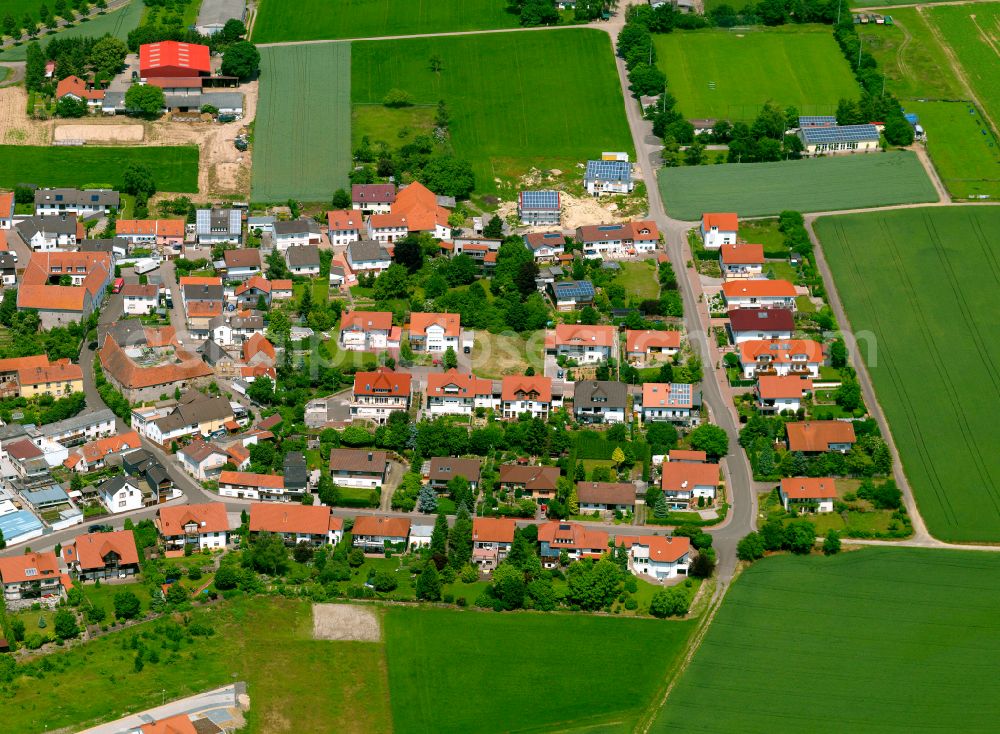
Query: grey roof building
x,y
214,13
75,201
218,225
303,225
54,225
295,471
598,401
302,257
366,251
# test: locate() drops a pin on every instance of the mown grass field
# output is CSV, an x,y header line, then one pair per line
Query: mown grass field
x,y
175,168
118,23
935,371
639,279
516,100
304,20
496,355
963,147
879,640
790,65
265,642
819,184
452,671
973,33
302,139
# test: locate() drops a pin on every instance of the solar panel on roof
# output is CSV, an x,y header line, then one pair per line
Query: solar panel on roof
x,y
609,170
841,134
574,289
609,227
805,120
540,199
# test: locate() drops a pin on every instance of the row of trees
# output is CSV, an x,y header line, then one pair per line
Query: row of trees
x,y
29,23
73,56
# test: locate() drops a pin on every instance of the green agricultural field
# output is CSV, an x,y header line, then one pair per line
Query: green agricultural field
x,y
819,184
973,32
909,54
304,20
175,168
963,147
118,23
935,371
882,640
728,75
265,642
452,671
303,149
517,100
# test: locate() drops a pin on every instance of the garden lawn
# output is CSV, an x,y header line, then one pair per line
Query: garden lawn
x,y
935,370
639,279
814,185
880,628
303,150
463,671
728,75
175,168
302,20
972,33
118,23
547,100
962,146
496,355
764,232
266,642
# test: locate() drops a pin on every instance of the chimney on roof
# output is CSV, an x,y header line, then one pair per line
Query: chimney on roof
x,y
370,456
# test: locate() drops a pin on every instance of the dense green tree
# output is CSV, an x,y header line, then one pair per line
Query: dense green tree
x,y
750,547
494,228
107,57
268,554
241,59
393,282
831,543
800,536
145,100
508,586
460,540
672,602
429,584
127,604
711,439
65,625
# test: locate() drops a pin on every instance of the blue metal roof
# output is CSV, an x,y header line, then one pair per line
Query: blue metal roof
x,y
840,134
16,524
540,200
47,496
609,170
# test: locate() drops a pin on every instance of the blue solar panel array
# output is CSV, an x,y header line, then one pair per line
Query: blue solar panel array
x,y
840,134
814,120
609,170
540,200
578,289
680,394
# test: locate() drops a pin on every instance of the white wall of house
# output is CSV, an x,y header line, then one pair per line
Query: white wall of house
x,y
640,562
345,479
126,499
715,238
585,354
782,368
746,336
139,305
514,408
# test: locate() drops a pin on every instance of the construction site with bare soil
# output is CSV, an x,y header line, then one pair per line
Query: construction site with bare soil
x,y
224,170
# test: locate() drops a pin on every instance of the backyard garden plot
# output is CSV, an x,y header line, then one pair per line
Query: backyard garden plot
x,y
935,371
303,150
729,75
452,671
175,168
963,147
873,632
818,184
973,33
303,20
517,100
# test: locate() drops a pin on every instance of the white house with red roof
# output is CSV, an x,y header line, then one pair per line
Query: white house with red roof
x,y
419,208
614,241
367,331
741,261
344,227
575,540
456,393
373,533
658,556
545,246
747,324
586,344
6,212
378,394
76,88
434,332
778,393
648,345
683,483
718,229
253,486
492,538
103,555
800,357
808,494
312,524
521,394
373,198
759,294
387,228
670,401
33,577
204,525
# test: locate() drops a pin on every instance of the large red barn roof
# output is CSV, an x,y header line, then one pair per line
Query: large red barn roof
x,y
173,56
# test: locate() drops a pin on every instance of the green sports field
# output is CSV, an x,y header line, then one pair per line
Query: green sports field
x,y
118,23
818,184
302,138
452,671
973,33
549,99
730,75
304,20
963,147
175,168
936,371
882,640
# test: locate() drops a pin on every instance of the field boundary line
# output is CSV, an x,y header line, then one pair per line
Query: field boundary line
x,y
404,37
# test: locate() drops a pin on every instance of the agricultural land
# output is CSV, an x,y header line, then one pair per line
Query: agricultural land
x,y
117,22
453,671
303,150
176,166
935,371
875,637
727,74
282,20
516,100
819,184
